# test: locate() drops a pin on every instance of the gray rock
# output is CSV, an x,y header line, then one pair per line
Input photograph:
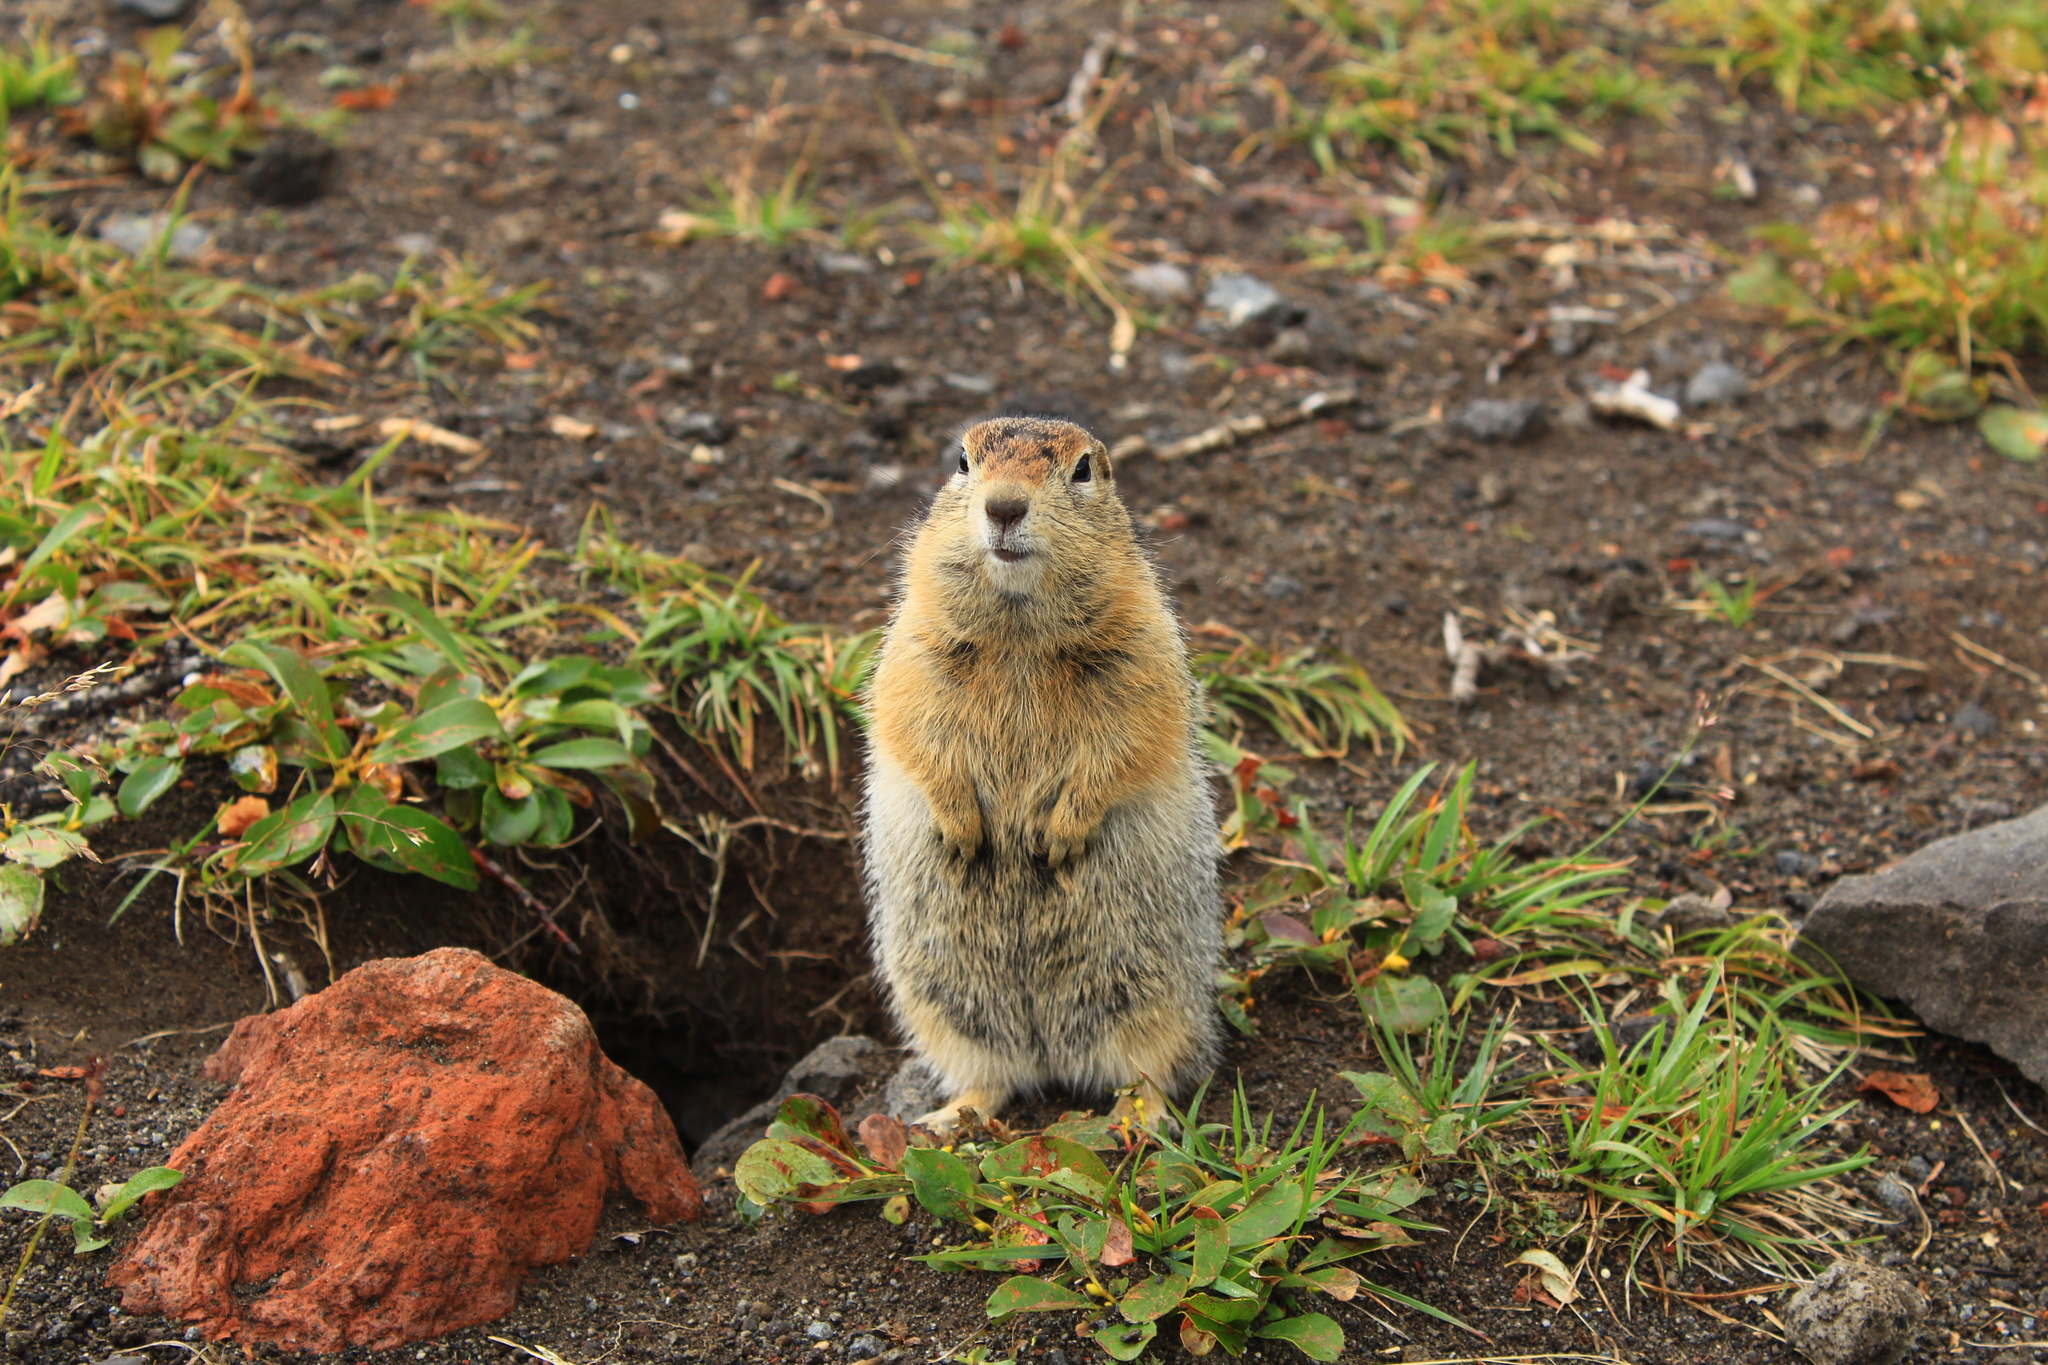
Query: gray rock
x,y
156,11
690,424
1691,915
1500,419
1716,528
414,244
1973,719
1163,282
1792,863
866,1346
978,384
838,1070
915,1090
1856,1313
1718,382
1242,298
1291,346
140,233
1958,931
845,263
819,1330
1281,585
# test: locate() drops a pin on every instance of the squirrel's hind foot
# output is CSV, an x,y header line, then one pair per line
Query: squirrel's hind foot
x,y
946,1119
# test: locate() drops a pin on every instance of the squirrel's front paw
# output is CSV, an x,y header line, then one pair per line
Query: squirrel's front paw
x,y
960,842
1064,840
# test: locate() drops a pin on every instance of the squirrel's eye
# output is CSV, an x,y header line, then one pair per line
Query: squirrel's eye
x,y
963,463
1081,471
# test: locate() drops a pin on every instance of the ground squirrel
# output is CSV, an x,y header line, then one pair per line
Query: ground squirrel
x,y
1040,841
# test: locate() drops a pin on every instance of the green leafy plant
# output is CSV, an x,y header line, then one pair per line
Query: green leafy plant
x,y
733,662
1949,275
34,75
1698,1123
1318,708
1736,605
155,105
1851,54
1453,76
438,314
1233,1227
512,766
52,1199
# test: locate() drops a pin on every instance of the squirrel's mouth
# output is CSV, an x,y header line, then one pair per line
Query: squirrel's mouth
x,y
1009,556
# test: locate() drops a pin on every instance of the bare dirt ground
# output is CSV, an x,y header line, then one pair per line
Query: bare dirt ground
x,y
1355,534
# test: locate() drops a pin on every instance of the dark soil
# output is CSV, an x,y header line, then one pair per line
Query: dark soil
x,y
1354,535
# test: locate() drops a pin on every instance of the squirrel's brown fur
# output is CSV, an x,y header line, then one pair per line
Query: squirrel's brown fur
x,y
1040,841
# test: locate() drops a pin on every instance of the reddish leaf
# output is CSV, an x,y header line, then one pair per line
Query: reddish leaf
x,y
237,815
1915,1092
369,97
1287,929
885,1138
1116,1244
63,1073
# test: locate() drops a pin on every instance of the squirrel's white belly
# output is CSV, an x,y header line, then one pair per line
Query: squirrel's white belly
x,y
1006,972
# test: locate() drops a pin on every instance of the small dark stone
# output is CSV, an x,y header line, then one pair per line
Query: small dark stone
x,y
1281,585
690,424
156,11
1716,528
1500,419
872,375
1396,606
1792,863
294,167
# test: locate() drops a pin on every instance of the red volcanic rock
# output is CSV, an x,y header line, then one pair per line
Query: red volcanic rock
x,y
398,1152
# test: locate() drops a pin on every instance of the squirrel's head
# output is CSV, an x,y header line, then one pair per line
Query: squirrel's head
x,y
1031,502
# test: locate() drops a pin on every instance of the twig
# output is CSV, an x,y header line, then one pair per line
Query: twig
x,y
869,42
1992,656
491,868
1075,105
1847,721
1226,434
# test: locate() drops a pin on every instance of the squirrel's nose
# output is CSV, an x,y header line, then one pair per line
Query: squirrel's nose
x,y
1006,512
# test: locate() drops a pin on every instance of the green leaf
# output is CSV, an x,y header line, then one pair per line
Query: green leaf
x,y
1271,1214
1126,1341
146,1181
406,838
429,625
254,767
80,516
942,1182
1043,1157
21,902
446,685
1030,1294
776,1170
1226,1311
810,1116
1211,1247
47,1196
1433,915
597,714
551,677
2017,433
462,769
304,685
1313,1334
1403,1004
584,753
1154,1297
509,823
42,847
447,726
557,817
287,836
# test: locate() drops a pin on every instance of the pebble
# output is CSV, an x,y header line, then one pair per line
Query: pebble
x,y
1718,382
1792,863
519,229
978,384
1716,528
137,233
1973,719
820,1330
1281,585
156,11
413,243
845,263
1855,1313
866,1346
1164,282
1500,419
1291,346
1241,298
685,423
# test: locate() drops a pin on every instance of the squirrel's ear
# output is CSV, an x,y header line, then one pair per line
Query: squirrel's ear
x,y
1098,460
